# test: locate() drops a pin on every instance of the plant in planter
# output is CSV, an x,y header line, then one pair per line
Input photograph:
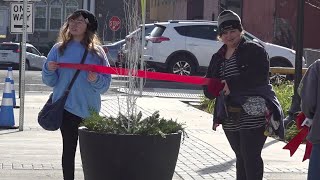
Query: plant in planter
x,y
148,151
129,147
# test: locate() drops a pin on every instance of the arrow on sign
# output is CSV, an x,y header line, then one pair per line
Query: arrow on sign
x,y
19,26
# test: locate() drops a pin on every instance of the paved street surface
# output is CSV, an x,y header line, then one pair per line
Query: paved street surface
x,y
204,154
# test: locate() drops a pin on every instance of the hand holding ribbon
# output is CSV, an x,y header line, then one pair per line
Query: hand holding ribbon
x,y
303,124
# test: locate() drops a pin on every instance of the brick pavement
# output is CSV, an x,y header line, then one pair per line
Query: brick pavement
x,y
35,153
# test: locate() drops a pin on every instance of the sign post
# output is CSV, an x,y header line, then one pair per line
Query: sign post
x,y
114,25
16,22
21,22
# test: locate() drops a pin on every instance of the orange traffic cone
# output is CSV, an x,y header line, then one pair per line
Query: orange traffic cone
x,y
6,113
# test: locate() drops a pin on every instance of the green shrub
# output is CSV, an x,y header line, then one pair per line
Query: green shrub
x,y
152,125
291,132
284,92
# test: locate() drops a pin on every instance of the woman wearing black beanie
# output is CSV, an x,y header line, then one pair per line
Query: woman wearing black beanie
x,y
247,107
77,43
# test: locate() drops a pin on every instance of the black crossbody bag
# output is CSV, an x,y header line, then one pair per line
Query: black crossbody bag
x,y
51,115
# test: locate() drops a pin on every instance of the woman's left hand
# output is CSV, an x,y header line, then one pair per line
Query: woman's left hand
x,y
92,76
226,89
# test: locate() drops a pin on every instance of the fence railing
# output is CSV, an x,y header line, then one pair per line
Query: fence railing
x,y
285,70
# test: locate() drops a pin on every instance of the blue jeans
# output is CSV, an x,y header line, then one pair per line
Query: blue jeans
x,y
314,163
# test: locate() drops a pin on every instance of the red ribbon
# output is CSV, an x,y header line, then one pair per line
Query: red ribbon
x,y
215,86
295,142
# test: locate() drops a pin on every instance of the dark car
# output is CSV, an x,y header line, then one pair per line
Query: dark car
x,y
112,50
130,38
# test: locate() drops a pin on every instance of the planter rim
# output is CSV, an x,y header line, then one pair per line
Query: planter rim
x,y
84,129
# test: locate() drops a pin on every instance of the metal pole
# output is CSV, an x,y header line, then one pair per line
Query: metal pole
x,y
20,57
23,61
295,104
143,9
113,36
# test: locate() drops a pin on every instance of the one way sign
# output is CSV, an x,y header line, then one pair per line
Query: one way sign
x,y
17,18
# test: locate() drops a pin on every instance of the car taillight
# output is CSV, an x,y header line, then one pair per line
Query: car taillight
x,y
17,50
158,39
106,50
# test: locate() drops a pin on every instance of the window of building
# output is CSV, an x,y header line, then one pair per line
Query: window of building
x,y
55,14
71,6
41,9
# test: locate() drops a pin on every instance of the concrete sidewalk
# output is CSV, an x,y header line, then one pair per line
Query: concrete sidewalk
x,y
36,154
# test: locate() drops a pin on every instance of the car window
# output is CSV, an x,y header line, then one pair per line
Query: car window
x,y
182,30
247,37
28,49
149,29
157,31
33,51
12,47
199,31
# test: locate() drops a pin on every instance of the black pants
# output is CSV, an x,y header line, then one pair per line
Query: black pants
x,y
247,145
69,132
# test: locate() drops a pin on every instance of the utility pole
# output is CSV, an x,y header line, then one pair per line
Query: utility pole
x,y
295,104
143,33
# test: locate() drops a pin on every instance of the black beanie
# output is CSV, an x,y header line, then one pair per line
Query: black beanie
x,y
228,19
93,23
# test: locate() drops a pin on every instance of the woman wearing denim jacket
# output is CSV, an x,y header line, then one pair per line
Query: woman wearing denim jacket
x,y
247,103
76,35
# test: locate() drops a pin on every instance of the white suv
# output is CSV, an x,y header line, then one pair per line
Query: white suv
x,y
185,47
9,54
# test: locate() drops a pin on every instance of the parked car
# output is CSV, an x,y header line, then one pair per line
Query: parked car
x,y
112,50
186,47
131,39
9,55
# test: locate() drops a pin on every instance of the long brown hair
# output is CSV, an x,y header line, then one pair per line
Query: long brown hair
x,y
90,41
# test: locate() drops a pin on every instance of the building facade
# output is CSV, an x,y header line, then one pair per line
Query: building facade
x,y
270,20
49,15
163,10
276,21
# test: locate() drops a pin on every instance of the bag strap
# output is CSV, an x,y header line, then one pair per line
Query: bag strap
x,y
77,72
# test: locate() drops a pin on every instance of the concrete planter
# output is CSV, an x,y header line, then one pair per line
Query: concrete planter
x,y
124,157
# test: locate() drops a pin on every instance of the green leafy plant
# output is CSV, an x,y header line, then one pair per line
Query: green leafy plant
x,y
284,93
152,125
291,132
207,104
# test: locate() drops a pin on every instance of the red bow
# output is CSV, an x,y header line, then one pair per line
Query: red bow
x,y
294,143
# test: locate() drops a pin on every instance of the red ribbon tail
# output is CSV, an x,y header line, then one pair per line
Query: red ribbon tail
x,y
307,152
294,143
142,74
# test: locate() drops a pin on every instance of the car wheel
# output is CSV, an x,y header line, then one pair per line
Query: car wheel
x,y
151,69
182,65
27,65
276,78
